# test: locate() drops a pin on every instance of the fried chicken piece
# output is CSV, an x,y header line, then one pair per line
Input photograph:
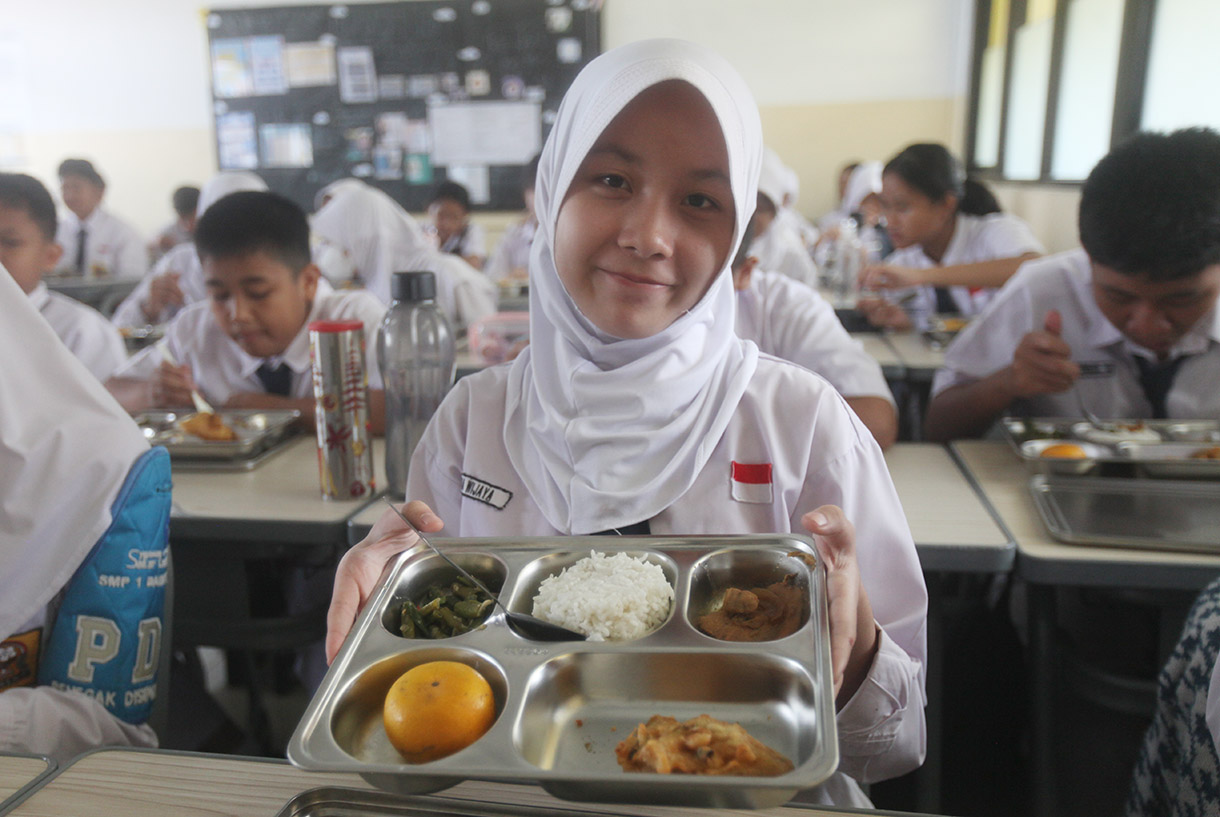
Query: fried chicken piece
x,y
207,426
702,745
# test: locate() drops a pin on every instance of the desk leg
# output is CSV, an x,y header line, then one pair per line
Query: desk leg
x,y
1043,667
928,779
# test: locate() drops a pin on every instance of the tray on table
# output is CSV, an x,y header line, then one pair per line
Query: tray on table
x,y
260,432
562,708
1142,448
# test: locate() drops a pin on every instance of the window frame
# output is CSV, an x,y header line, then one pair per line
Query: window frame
x,y
1135,49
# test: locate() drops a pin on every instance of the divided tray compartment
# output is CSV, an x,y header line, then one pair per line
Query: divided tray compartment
x,y
562,708
258,430
1148,448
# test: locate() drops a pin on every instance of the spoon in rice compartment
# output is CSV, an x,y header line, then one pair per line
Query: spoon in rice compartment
x,y
523,625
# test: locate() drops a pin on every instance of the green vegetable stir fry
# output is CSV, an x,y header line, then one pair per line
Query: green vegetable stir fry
x,y
445,610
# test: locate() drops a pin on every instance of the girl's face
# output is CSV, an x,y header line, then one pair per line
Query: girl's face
x,y
911,217
647,222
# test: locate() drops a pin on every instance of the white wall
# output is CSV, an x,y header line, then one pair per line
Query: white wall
x,y
125,82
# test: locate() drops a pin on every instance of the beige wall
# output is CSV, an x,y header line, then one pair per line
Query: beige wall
x,y
1050,211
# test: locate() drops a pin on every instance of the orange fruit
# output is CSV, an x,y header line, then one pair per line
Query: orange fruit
x,y
436,709
1068,451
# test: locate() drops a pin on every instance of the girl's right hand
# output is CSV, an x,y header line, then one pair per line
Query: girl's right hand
x,y
170,386
361,567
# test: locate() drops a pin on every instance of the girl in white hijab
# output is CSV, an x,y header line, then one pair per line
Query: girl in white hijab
x,y
65,450
637,409
177,279
380,238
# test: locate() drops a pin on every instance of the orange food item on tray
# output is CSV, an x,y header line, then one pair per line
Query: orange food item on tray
x,y
701,745
436,709
208,426
1068,451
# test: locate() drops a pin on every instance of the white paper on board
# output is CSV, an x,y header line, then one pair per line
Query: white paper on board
x,y
267,65
357,77
475,178
236,142
485,133
309,64
231,75
287,145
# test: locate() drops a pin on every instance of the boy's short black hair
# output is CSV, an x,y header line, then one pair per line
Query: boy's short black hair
x,y
22,192
186,200
83,168
453,192
254,221
1151,207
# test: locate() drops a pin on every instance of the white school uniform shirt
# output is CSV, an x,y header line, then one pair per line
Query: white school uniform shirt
x,y
182,259
85,331
1109,383
975,239
221,369
780,249
470,241
513,251
462,470
113,248
792,321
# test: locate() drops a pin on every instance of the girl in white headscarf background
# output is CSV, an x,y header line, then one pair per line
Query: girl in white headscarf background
x,y
635,401
65,450
177,278
378,237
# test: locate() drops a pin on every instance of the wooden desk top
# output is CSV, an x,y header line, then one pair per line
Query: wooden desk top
x,y
150,783
880,351
18,771
1040,558
283,491
914,353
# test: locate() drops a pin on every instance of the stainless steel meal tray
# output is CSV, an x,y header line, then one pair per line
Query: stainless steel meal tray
x,y
1136,513
1111,451
1172,460
337,801
257,430
562,708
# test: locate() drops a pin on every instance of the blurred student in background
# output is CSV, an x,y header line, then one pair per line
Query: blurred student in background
x,y
777,245
950,239
451,225
836,215
95,242
179,231
509,264
28,251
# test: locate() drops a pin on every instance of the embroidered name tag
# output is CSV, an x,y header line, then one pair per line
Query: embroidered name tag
x,y
1097,368
751,482
482,491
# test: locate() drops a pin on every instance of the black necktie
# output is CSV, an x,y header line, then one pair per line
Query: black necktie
x,y
945,305
276,380
1156,379
81,239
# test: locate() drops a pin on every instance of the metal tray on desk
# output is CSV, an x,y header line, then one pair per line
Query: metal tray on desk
x,y
336,801
258,430
563,707
1150,448
1130,513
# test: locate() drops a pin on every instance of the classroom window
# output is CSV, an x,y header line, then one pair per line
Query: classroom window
x,y
1057,83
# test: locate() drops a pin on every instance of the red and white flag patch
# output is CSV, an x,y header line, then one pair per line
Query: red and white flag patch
x,y
751,482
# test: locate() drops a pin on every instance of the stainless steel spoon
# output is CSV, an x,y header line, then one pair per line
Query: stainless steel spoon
x,y
523,625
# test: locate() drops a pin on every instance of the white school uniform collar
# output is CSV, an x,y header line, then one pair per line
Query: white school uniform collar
x,y
606,432
40,296
296,354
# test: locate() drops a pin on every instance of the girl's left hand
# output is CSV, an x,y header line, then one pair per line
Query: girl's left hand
x,y
888,276
853,630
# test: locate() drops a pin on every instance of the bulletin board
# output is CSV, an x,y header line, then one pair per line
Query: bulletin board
x,y
403,95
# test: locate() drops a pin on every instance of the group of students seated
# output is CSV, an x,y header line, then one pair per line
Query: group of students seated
x,y
654,218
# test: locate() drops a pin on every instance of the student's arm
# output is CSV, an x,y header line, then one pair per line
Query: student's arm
x,y
879,416
307,406
1042,364
45,721
992,274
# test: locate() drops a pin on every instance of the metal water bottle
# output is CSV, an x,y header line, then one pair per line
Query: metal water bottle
x,y
417,356
340,387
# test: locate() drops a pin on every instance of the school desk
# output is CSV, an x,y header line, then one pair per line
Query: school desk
x,y
20,773
876,347
1046,564
152,783
102,294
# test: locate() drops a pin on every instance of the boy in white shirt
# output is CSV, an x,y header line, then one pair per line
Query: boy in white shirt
x,y
510,261
247,345
451,225
179,231
787,319
96,243
1126,327
28,251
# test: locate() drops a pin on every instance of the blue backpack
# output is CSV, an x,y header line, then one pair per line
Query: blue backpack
x,y
106,638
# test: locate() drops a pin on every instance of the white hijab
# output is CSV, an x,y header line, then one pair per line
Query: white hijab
x,y
65,449
863,181
607,432
224,183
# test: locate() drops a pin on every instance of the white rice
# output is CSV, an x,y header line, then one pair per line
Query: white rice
x,y
608,598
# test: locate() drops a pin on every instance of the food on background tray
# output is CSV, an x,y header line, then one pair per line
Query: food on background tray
x,y
207,426
445,609
757,614
701,745
1066,451
615,598
436,709
1118,432
1210,453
